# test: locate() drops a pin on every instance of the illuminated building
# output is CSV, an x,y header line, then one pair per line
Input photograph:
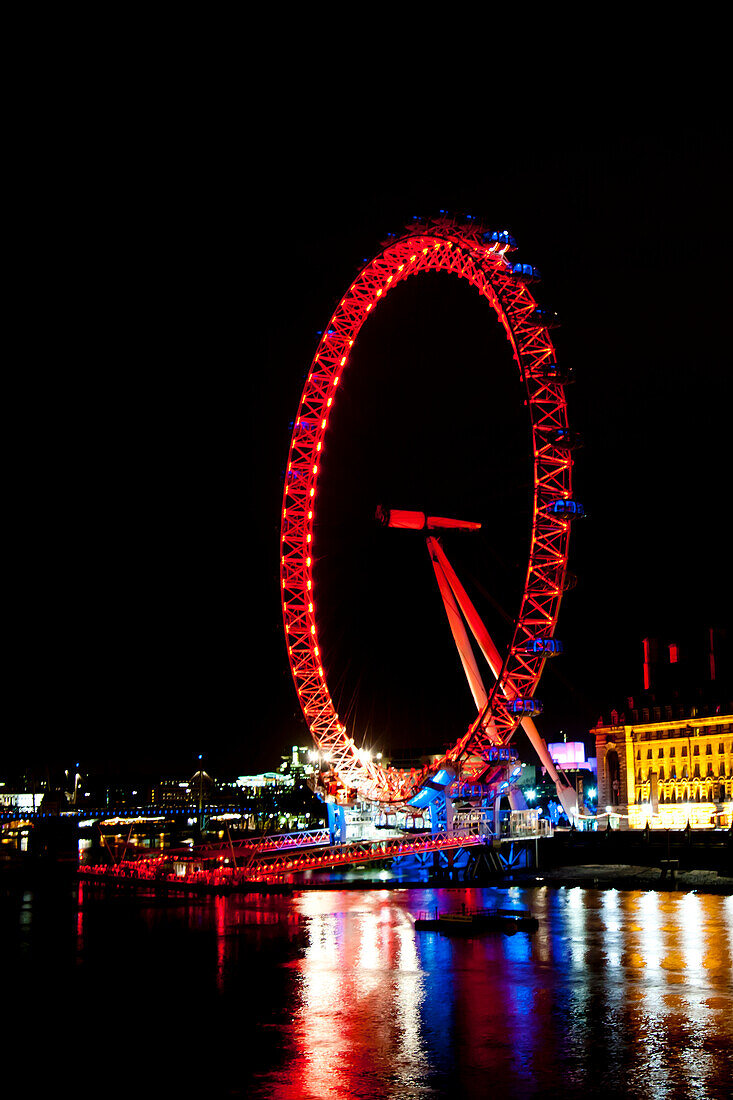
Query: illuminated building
x,y
667,772
23,801
570,756
169,792
672,764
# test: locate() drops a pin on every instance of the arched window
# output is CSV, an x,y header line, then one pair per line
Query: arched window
x,y
613,772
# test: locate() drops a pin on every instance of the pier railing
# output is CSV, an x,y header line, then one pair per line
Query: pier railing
x,y
366,851
275,865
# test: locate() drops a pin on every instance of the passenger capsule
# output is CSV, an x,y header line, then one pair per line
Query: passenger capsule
x,y
544,318
546,647
500,237
550,372
565,440
524,708
565,509
525,272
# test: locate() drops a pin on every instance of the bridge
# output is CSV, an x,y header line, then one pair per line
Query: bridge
x,y
266,865
467,849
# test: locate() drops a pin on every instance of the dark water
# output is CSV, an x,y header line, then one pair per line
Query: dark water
x,y
333,994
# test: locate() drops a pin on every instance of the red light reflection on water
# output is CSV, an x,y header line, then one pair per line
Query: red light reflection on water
x,y
631,990
362,989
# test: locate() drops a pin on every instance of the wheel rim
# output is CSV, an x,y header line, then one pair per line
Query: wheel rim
x,y
471,252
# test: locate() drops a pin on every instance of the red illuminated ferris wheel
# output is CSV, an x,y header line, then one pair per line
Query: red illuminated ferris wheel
x,y
467,249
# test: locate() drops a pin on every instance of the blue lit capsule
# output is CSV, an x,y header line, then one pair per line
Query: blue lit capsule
x,y
547,647
523,708
565,509
566,441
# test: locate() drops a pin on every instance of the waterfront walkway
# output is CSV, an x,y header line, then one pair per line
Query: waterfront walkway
x,y
627,876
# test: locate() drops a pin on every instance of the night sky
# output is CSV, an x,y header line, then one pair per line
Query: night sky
x,y
187,285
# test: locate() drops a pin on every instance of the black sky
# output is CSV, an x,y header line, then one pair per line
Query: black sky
x,y
185,280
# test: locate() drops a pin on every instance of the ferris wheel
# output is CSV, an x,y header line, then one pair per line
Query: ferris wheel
x,y
483,257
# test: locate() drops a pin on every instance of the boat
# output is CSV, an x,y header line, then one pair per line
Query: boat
x,y
478,920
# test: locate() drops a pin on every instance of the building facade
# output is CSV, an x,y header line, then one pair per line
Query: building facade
x,y
667,773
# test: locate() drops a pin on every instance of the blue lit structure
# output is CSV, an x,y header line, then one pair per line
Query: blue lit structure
x,y
565,509
524,707
548,647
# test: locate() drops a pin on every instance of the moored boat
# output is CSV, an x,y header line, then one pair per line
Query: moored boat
x,y
478,920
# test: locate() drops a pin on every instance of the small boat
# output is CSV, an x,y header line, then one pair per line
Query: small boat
x,y
478,920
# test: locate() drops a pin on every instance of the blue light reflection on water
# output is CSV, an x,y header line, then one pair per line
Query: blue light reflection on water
x,y
333,993
625,992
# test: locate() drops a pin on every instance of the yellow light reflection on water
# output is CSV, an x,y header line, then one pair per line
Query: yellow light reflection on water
x,y
612,928
677,987
691,939
650,931
635,985
577,915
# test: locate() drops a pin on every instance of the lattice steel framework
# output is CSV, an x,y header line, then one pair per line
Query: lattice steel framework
x,y
469,251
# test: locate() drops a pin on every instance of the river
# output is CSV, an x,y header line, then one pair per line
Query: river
x,y
333,993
